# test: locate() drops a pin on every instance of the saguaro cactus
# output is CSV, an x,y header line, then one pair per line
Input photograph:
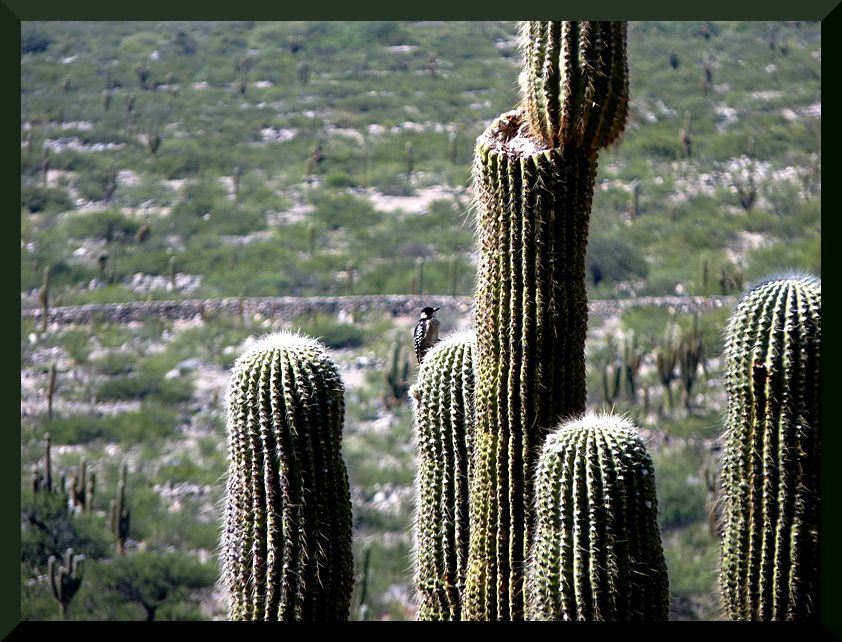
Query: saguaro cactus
x,y
119,515
534,176
770,547
444,424
65,578
287,534
576,85
83,488
597,551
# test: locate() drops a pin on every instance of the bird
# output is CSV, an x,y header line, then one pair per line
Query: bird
x,y
426,332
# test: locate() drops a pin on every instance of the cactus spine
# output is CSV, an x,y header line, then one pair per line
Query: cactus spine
x,y
534,176
597,551
287,533
770,547
65,578
444,423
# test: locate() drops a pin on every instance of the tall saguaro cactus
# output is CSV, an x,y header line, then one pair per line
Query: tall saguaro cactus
x,y
534,176
770,477
597,552
287,532
444,422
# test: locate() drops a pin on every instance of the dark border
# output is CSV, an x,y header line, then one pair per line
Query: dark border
x,y
13,11
390,10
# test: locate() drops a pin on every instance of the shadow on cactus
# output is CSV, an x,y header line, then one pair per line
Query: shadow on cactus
x,y
286,543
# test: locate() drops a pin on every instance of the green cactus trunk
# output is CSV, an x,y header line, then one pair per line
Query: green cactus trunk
x,y
287,533
531,324
576,84
444,420
597,551
534,174
770,548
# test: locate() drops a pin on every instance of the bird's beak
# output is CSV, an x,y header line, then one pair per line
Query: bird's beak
x,y
436,309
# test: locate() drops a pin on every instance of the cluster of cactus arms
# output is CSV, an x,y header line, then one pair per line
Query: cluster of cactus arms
x,y
597,551
772,461
119,515
443,399
65,578
286,541
83,488
534,174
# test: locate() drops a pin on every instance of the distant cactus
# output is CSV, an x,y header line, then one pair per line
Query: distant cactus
x,y
44,481
235,179
419,276
666,357
109,183
597,553
153,142
349,278
142,72
362,611
770,478
65,578
51,390
443,410
612,373
410,160
286,541
119,515
303,70
83,487
684,136
635,199
311,239
173,265
45,167
690,352
397,376
632,358
452,274
44,298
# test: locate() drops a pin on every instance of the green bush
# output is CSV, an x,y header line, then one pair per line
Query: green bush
x,y
332,333
681,489
45,199
149,422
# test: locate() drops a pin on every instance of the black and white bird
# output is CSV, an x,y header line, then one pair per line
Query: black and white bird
x,y
426,332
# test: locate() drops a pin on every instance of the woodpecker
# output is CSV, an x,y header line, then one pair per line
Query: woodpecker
x,y
426,332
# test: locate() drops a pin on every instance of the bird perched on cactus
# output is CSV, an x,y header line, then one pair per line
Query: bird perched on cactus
x,y
426,332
